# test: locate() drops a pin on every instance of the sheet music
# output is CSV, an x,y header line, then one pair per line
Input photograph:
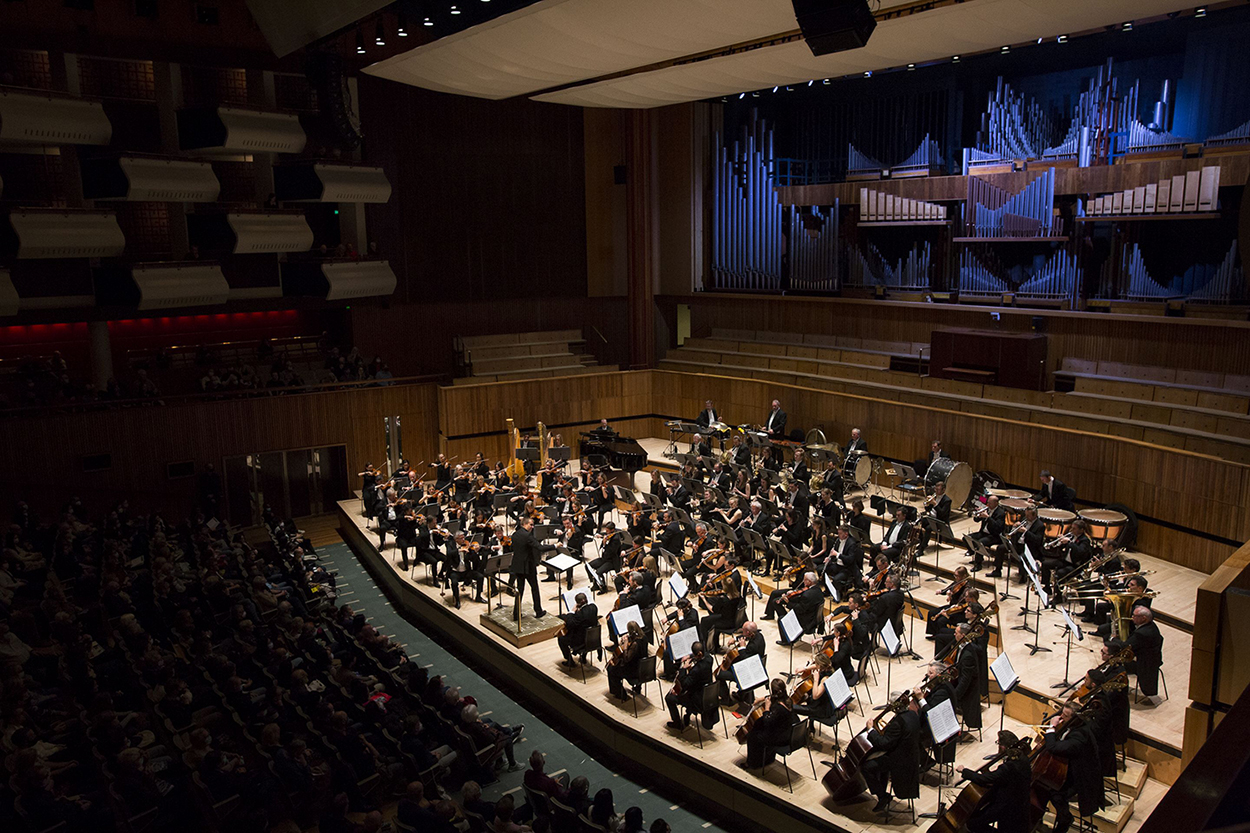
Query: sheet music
x,y
620,619
943,724
680,643
890,639
1003,673
1073,626
837,689
561,562
833,591
755,588
678,585
1030,559
750,672
570,596
791,630
1037,588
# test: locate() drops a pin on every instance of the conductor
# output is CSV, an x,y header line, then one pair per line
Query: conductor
x,y
526,552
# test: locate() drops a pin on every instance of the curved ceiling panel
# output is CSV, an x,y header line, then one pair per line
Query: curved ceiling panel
x,y
560,42
936,34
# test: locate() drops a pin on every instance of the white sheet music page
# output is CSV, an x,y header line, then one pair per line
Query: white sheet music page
x,y
622,618
750,672
1003,673
678,585
680,643
791,630
942,721
837,689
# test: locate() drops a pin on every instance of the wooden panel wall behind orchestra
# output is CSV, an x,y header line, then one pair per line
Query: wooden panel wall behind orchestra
x,y
1187,343
44,454
1188,490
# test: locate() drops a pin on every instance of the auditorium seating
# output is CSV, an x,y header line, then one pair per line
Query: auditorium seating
x,y
510,357
1206,413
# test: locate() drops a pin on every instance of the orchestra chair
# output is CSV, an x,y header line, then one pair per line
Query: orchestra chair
x,y
798,740
713,634
648,623
592,642
710,701
1162,679
911,805
646,674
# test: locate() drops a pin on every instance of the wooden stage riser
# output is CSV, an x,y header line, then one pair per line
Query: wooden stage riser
x,y
725,797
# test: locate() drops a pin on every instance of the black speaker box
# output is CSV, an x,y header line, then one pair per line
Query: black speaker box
x,y
834,25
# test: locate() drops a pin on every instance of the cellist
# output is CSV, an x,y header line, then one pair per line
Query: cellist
x,y
1005,807
1072,739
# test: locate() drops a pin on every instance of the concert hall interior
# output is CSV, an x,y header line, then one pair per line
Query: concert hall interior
x,y
624,415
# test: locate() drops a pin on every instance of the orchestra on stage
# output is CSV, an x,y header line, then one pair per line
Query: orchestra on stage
x,y
754,504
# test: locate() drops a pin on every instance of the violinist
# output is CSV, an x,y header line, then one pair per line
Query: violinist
x,y
549,481
639,525
723,610
687,692
1072,738
685,616
895,537
938,692
807,605
521,503
862,625
657,488
899,766
836,649
480,467
781,598
702,545
955,594
874,581
672,536
387,516
369,479
424,551
484,525
967,685
584,615
887,605
747,643
624,664
603,498
1005,807
846,561
609,560
405,531
772,729
944,621
464,565
500,476
461,483
993,520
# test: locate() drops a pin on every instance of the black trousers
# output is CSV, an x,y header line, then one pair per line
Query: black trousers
x,y
458,578
877,776
532,581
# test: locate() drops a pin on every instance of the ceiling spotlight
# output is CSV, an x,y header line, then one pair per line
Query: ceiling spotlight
x,y
400,29
1005,50
360,43
809,83
380,40
755,95
1039,40
826,81
910,67
427,22
955,60
867,73
455,10
1127,27
1061,39
741,96
1201,11
775,89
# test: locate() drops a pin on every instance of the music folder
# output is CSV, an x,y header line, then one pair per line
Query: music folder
x,y
943,724
750,672
570,597
620,619
1004,674
680,644
678,585
890,639
791,630
837,689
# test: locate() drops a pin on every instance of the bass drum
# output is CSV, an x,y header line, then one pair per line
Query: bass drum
x,y
957,477
857,469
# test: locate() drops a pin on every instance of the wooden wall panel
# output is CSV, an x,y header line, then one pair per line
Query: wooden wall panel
x,y
1181,343
45,453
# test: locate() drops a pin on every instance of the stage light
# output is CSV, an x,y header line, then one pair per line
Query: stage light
x,y
774,89
867,73
1061,39
380,39
400,29
360,43
1005,50
455,10
1127,27
809,83
427,22
910,67
955,60
1201,11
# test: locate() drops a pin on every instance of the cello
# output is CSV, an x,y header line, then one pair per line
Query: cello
x,y
973,794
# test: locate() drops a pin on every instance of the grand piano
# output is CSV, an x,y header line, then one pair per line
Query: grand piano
x,y
619,452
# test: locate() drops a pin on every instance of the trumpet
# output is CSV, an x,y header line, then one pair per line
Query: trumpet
x,y
1065,538
1127,574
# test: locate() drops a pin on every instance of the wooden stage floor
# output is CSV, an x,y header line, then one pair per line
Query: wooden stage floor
x,y
716,771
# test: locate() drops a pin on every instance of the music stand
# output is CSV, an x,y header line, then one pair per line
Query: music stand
x,y
562,563
561,453
937,529
652,501
528,455
491,569
754,540
1028,562
1072,628
1012,553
